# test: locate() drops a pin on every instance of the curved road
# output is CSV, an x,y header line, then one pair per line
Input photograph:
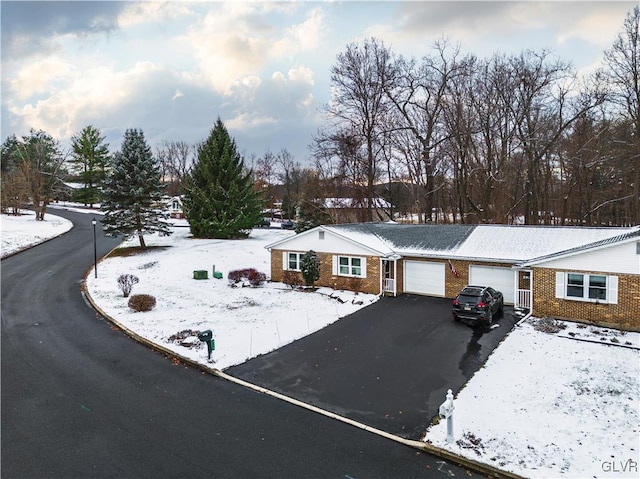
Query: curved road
x,y
80,399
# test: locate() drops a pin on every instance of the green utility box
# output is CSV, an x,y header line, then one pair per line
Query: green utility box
x,y
201,274
217,274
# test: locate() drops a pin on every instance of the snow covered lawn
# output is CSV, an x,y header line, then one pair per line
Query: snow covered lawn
x,y
20,232
245,321
548,405
561,404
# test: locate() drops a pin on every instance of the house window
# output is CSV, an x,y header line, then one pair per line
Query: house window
x,y
587,286
321,235
293,261
351,266
599,288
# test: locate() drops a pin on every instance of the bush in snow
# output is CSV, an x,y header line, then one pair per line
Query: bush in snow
x,y
292,278
142,302
253,276
126,282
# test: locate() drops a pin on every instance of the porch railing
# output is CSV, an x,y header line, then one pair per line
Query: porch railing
x,y
523,298
389,285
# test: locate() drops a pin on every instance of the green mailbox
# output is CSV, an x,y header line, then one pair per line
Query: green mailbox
x,y
206,336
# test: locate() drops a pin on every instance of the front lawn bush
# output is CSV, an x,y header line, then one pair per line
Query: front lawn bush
x,y
126,282
251,275
292,278
142,302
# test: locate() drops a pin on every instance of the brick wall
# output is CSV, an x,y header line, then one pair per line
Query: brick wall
x,y
624,315
370,284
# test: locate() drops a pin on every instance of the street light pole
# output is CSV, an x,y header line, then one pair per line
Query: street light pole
x,y
95,252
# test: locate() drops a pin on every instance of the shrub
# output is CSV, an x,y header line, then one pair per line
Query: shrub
x,y
310,267
142,302
256,278
253,276
126,282
292,278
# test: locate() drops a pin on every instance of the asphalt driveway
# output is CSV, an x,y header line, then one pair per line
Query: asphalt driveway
x,y
388,365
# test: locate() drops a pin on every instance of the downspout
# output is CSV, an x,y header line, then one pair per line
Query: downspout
x,y
395,277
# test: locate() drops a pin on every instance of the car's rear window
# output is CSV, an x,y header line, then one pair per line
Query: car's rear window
x,y
467,299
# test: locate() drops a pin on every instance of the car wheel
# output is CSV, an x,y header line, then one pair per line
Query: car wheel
x,y
456,318
501,309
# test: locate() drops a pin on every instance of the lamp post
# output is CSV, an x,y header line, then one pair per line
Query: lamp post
x,y
95,252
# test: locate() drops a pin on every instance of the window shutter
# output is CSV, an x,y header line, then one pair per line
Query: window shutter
x,y
612,290
285,261
560,284
335,265
364,267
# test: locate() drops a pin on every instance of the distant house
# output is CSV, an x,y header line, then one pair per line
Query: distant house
x,y
580,273
175,207
351,210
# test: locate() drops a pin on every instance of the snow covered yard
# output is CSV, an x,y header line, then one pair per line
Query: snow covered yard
x,y
20,232
549,402
245,321
548,405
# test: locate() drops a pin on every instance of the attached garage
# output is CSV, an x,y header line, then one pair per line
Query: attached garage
x,y
502,279
422,277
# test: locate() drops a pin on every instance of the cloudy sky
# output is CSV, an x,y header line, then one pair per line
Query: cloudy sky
x,y
171,68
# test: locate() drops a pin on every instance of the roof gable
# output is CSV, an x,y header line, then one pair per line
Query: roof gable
x,y
628,236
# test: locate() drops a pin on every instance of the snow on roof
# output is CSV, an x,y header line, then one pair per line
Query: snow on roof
x,y
490,242
363,237
519,243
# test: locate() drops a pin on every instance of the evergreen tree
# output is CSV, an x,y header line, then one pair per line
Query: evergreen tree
x,y
89,158
310,267
311,213
133,191
219,200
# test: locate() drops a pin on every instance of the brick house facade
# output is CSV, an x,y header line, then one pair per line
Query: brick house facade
x,y
559,272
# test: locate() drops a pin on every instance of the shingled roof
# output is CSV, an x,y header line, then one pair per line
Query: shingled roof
x,y
501,243
400,237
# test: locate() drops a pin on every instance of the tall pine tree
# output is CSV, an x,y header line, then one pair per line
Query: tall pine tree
x,y
133,192
89,158
219,200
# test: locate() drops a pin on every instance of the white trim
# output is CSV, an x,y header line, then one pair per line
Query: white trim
x,y
560,284
278,243
334,265
612,290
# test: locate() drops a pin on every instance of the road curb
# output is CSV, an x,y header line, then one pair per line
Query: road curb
x,y
462,461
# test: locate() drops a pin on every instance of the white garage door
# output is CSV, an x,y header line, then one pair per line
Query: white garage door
x,y
502,279
424,278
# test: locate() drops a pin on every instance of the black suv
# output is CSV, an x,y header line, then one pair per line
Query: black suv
x,y
477,305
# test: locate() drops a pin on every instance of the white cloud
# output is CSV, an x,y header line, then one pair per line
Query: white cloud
x,y
306,36
177,95
37,76
244,121
93,92
135,13
236,41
